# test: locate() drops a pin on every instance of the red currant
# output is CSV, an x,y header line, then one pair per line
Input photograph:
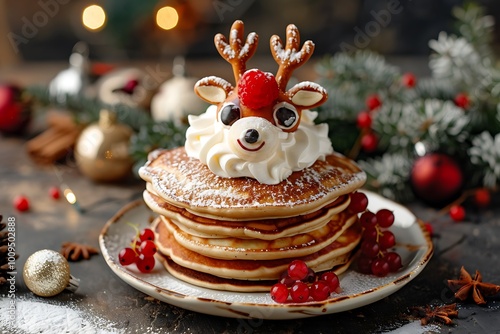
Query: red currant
x,y
368,219
21,203
365,265
54,192
331,279
364,120
298,270
387,240
285,279
370,233
369,142
359,202
457,213
482,197
462,100
299,292
145,264
380,267
409,80
148,248
373,102
279,292
310,277
127,256
370,248
385,218
319,290
394,261
147,234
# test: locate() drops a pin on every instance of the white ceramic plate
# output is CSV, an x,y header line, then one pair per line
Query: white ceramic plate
x,y
414,246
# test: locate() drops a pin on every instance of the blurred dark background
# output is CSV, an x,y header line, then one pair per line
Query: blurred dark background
x,y
47,29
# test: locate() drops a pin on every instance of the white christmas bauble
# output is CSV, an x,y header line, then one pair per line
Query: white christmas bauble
x,y
175,100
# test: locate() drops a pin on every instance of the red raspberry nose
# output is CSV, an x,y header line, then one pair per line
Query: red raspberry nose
x,y
257,89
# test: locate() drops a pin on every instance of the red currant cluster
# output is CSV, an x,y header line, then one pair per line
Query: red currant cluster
x,y
375,257
141,252
299,282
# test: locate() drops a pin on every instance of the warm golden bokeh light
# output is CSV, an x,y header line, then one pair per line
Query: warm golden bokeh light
x,y
167,17
94,17
70,196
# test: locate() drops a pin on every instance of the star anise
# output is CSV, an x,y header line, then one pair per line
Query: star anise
x,y
442,314
74,251
467,286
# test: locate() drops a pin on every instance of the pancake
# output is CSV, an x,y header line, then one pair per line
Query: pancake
x,y
218,283
267,229
255,249
187,183
336,253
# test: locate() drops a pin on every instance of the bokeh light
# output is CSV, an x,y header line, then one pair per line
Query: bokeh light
x,y
94,18
167,18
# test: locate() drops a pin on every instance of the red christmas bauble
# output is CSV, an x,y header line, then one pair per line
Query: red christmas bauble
x,y
14,114
436,178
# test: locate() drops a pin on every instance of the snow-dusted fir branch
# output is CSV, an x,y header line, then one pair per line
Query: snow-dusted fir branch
x,y
485,155
389,175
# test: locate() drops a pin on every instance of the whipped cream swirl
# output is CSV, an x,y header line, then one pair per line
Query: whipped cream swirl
x,y
269,160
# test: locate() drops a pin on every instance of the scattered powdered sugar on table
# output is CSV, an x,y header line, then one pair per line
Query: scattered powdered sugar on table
x,y
40,317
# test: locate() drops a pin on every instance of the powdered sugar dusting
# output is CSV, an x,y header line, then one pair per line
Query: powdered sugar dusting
x,y
33,316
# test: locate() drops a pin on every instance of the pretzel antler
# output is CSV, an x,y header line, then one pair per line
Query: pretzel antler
x,y
235,52
290,57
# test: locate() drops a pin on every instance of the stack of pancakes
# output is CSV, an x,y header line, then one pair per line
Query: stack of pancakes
x,y
240,235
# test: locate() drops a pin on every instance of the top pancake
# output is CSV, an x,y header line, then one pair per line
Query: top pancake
x,y
186,182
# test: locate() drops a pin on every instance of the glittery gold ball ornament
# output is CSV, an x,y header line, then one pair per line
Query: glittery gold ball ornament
x,y
46,273
101,151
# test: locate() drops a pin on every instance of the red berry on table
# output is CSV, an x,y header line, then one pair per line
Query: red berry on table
x,y
54,192
373,102
369,142
394,261
457,213
359,202
462,100
148,248
144,263
299,292
257,89
298,270
385,218
482,197
319,290
409,80
21,203
147,234
380,267
387,240
127,256
331,279
279,292
364,120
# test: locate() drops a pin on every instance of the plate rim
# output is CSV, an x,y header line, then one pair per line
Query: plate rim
x,y
240,309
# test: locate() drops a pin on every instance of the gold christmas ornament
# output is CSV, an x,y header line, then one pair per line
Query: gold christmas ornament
x,y
101,151
46,274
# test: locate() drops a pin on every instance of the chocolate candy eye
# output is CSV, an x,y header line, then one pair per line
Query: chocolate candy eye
x,y
229,113
285,115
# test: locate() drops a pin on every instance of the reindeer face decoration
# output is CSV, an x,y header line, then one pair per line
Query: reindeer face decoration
x,y
259,129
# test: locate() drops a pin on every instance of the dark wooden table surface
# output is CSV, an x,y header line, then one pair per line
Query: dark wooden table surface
x,y
107,303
